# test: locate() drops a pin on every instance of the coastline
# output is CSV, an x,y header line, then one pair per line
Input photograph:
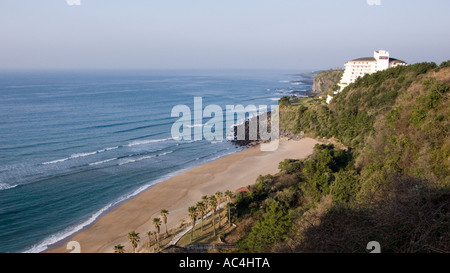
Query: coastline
x,y
179,192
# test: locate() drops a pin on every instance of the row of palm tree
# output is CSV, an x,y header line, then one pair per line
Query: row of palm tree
x,y
207,204
134,237
210,204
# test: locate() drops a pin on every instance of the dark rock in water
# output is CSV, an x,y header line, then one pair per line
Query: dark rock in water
x,y
255,138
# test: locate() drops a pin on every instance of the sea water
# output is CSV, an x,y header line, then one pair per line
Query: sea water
x,y
74,144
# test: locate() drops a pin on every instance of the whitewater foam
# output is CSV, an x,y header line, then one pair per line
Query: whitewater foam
x,y
56,161
108,149
53,239
5,186
66,233
82,155
144,142
102,162
79,155
128,161
166,153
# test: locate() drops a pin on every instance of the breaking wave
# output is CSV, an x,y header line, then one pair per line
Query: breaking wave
x,y
78,155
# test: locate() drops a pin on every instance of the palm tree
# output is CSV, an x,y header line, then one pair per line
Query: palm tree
x,y
201,208
205,200
193,214
119,249
149,236
157,223
219,196
229,195
213,206
164,214
134,239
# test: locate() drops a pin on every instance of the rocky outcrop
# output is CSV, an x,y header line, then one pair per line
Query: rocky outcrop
x,y
326,80
246,140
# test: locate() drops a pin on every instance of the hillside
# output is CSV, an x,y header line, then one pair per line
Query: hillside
x,y
387,179
326,81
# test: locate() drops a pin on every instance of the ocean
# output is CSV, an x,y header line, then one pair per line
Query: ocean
x,y
74,144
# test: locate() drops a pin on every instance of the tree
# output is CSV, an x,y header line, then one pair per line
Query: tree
x,y
201,208
345,186
229,195
289,166
134,239
119,249
193,214
164,214
205,199
272,228
150,234
219,196
213,206
157,224
284,101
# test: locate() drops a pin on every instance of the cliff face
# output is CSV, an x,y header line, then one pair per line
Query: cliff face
x,y
325,80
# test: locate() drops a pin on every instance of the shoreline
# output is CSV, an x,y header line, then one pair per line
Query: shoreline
x,y
105,210
110,207
177,193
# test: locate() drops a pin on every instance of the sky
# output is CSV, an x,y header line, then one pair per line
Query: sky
x,y
218,34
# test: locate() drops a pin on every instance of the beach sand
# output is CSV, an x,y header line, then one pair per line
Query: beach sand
x,y
182,191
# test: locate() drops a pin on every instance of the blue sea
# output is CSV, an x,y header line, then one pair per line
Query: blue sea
x,y
74,144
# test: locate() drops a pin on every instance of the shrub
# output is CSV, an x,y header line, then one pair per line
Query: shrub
x,y
272,228
445,64
345,186
284,101
289,166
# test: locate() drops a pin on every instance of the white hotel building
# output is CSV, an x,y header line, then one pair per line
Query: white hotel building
x,y
362,66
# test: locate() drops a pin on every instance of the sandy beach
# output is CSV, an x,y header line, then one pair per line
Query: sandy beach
x,y
181,191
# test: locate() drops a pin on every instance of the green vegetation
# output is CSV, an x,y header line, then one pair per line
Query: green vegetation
x,y
154,240
203,236
390,115
270,229
277,202
390,183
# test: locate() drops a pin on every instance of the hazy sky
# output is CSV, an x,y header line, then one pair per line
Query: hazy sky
x,y
218,34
